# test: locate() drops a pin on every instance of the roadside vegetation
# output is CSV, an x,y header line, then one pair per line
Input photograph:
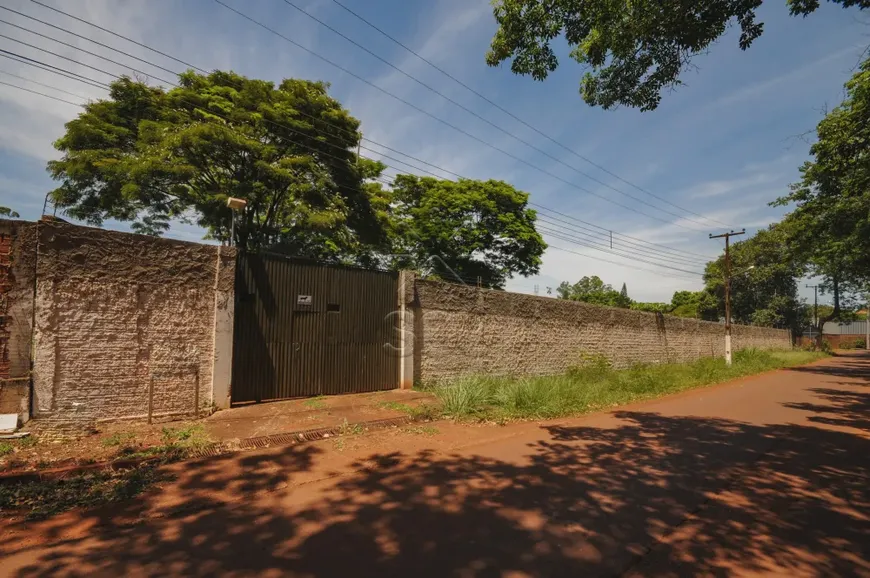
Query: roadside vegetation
x,y
594,385
43,498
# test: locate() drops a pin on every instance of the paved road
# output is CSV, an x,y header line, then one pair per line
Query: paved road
x,y
766,476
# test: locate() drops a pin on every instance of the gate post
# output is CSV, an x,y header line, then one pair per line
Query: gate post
x,y
406,333
224,312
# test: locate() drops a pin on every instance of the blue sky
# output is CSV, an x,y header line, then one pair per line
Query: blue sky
x,y
724,145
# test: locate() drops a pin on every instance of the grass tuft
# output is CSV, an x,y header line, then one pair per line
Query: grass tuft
x,y
318,402
118,439
594,384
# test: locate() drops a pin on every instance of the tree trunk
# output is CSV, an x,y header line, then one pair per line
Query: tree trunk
x,y
835,314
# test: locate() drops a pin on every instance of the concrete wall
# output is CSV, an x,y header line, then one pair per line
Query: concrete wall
x,y
129,324
461,330
17,270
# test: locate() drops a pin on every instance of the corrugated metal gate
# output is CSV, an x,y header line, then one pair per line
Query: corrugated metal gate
x,y
303,329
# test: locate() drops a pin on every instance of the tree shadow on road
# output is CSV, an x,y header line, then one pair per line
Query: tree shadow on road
x,y
656,495
852,365
842,408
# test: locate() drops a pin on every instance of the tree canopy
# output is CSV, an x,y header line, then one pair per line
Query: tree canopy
x,y
593,290
634,50
690,304
7,212
467,229
764,278
147,155
290,151
829,228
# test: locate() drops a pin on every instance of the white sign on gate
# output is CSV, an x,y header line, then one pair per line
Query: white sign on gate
x,y
304,300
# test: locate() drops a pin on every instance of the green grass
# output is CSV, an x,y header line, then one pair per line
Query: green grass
x,y
422,412
118,439
46,498
8,446
425,430
595,385
351,429
177,444
315,402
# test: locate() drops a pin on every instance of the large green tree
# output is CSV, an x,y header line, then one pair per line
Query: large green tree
x,y
829,226
593,290
695,305
462,230
634,49
148,156
764,282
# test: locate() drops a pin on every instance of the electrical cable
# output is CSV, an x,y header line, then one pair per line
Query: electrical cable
x,y
446,123
518,119
487,121
321,152
41,94
340,128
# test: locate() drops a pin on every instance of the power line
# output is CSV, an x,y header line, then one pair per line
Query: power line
x,y
665,248
68,45
106,30
515,117
446,123
331,144
43,84
497,127
573,239
41,94
607,237
561,235
55,54
617,250
91,40
49,68
189,65
634,267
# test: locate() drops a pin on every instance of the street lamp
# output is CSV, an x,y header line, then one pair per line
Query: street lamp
x,y
236,205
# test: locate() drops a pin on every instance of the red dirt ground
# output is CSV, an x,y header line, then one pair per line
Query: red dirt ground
x,y
765,476
227,425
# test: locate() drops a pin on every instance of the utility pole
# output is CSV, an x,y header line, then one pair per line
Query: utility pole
x,y
816,327
727,237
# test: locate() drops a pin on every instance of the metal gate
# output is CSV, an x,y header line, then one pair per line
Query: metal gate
x,y
303,329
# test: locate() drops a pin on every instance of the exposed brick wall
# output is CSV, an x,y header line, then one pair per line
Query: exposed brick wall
x,y
461,330
119,316
6,280
17,262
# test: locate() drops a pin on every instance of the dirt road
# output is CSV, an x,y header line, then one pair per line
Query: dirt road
x,y
766,476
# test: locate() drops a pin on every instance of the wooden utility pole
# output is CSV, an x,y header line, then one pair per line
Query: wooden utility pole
x,y
727,237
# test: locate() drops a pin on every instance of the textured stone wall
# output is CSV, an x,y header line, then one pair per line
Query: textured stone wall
x,y
461,330
17,269
125,324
